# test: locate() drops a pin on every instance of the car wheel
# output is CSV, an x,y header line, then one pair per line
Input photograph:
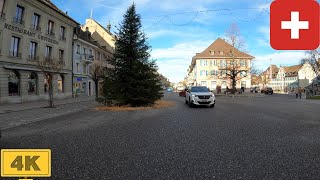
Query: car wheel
x,y
186,101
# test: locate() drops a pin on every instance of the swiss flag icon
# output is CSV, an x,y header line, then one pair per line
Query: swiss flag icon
x,y
294,25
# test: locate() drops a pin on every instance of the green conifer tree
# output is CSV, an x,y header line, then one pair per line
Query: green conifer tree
x,y
134,76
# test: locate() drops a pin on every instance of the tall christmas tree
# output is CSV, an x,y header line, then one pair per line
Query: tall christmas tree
x,y
134,76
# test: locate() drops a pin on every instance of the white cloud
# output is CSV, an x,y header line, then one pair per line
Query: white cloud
x,y
285,58
173,62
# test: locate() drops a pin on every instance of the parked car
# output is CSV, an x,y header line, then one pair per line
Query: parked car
x,y
267,90
183,93
169,89
200,95
255,89
229,91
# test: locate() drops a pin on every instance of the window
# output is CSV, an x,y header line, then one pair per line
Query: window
x,y
203,83
223,63
203,73
243,74
61,55
62,33
14,83
32,83
213,84
48,52
60,83
19,15
242,62
224,84
84,69
213,62
45,85
243,84
90,52
77,67
33,50
1,7
212,52
50,28
221,52
14,48
98,57
78,49
84,53
35,21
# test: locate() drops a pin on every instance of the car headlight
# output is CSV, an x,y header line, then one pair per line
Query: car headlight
x,y
194,95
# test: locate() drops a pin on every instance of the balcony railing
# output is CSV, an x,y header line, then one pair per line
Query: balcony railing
x,y
62,61
88,57
33,58
2,15
14,54
50,32
18,20
62,38
35,27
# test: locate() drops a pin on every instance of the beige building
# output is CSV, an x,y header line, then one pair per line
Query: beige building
x,y
288,78
30,30
101,34
209,67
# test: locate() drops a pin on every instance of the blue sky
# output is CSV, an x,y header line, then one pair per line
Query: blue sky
x,y
177,29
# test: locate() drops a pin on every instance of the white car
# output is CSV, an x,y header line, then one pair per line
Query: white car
x,y
200,95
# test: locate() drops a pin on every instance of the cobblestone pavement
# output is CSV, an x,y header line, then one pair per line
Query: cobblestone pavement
x,y
8,108
37,112
271,137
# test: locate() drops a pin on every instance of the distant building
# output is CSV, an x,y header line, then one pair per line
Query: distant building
x,y
287,78
208,68
85,51
32,30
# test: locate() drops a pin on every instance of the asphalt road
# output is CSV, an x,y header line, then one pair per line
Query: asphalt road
x,y
272,137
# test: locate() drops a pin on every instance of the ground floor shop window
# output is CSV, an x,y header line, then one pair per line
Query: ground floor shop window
x,y
213,84
14,83
32,83
80,87
243,84
60,84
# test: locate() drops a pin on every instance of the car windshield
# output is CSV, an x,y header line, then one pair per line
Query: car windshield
x,y
199,89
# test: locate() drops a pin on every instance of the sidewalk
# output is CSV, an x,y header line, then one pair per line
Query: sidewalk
x,y
7,108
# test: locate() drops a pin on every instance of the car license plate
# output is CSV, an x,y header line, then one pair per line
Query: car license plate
x,y
204,100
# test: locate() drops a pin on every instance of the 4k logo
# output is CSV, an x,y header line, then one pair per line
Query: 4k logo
x,y
294,24
25,162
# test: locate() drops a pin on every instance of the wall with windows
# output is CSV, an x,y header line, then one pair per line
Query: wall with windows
x,y
29,31
211,72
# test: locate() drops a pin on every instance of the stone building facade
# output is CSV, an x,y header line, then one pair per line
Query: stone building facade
x,y
29,31
86,51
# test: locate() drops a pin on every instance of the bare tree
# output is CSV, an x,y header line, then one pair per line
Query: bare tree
x,y
50,67
235,71
96,72
313,60
264,79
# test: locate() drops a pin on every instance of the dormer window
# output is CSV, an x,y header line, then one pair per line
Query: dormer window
x,y
221,52
212,52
